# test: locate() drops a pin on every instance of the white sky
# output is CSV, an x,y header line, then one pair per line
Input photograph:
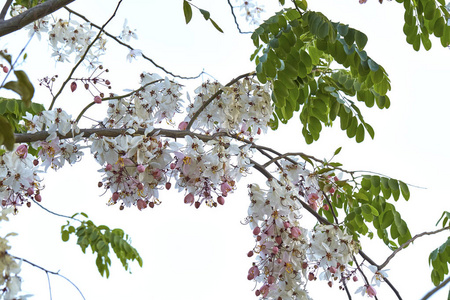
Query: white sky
x,y
201,254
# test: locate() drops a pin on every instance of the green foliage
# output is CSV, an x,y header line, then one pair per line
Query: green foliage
x,y
11,112
28,3
439,259
100,239
424,18
295,52
187,10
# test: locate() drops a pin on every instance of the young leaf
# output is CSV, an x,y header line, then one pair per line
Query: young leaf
x,y
187,11
216,26
205,14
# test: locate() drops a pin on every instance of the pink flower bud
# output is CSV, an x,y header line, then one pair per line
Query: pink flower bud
x,y
278,239
250,253
108,167
5,69
275,250
270,279
259,131
97,99
221,200
140,168
256,231
189,198
22,151
30,191
326,207
73,86
332,190
38,198
371,291
173,166
35,162
183,125
304,265
140,186
151,204
168,185
225,188
197,204
295,232
330,283
311,276
355,278
332,270
141,204
115,196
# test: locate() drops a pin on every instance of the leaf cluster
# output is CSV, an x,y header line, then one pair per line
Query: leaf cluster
x,y
439,259
424,18
100,239
187,10
297,50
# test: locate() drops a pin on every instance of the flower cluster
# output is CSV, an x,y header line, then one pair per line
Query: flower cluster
x,y
243,108
54,152
252,11
288,254
19,180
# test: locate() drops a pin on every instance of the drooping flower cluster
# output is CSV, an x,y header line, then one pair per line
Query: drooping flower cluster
x,y
252,11
19,180
243,108
288,254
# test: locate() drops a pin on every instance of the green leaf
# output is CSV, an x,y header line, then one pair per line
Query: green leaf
x,y
387,218
6,134
405,190
22,86
205,13
361,39
65,235
360,133
338,150
187,11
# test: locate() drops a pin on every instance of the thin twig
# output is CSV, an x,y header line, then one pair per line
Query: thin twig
x,y
49,272
5,9
331,208
83,56
383,265
56,214
220,91
346,290
362,273
440,286
392,288
49,285
235,19
131,48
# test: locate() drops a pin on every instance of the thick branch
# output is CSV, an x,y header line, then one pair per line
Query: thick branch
x,y
31,15
409,242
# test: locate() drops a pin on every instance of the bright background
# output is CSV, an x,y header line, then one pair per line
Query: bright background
x,y
201,254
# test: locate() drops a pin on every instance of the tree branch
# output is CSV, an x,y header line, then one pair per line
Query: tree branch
x,y
5,9
56,214
49,272
409,242
430,293
31,15
84,55
131,48
235,19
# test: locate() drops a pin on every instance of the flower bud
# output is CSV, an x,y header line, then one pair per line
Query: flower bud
x,y
311,276
256,231
5,69
275,250
141,204
189,198
97,99
250,253
140,168
168,185
183,125
278,239
221,200
38,198
108,167
371,291
73,86
115,196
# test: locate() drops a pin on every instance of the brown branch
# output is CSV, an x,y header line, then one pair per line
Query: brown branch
x,y
409,242
430,293
83,57
205,104
131,48
31,15
235,19
5,9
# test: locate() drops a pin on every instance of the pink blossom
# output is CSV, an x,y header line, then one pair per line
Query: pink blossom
x,y
97,99
371,291
22,151
220,200
141,204
183,125
225,188
189,198
295,231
